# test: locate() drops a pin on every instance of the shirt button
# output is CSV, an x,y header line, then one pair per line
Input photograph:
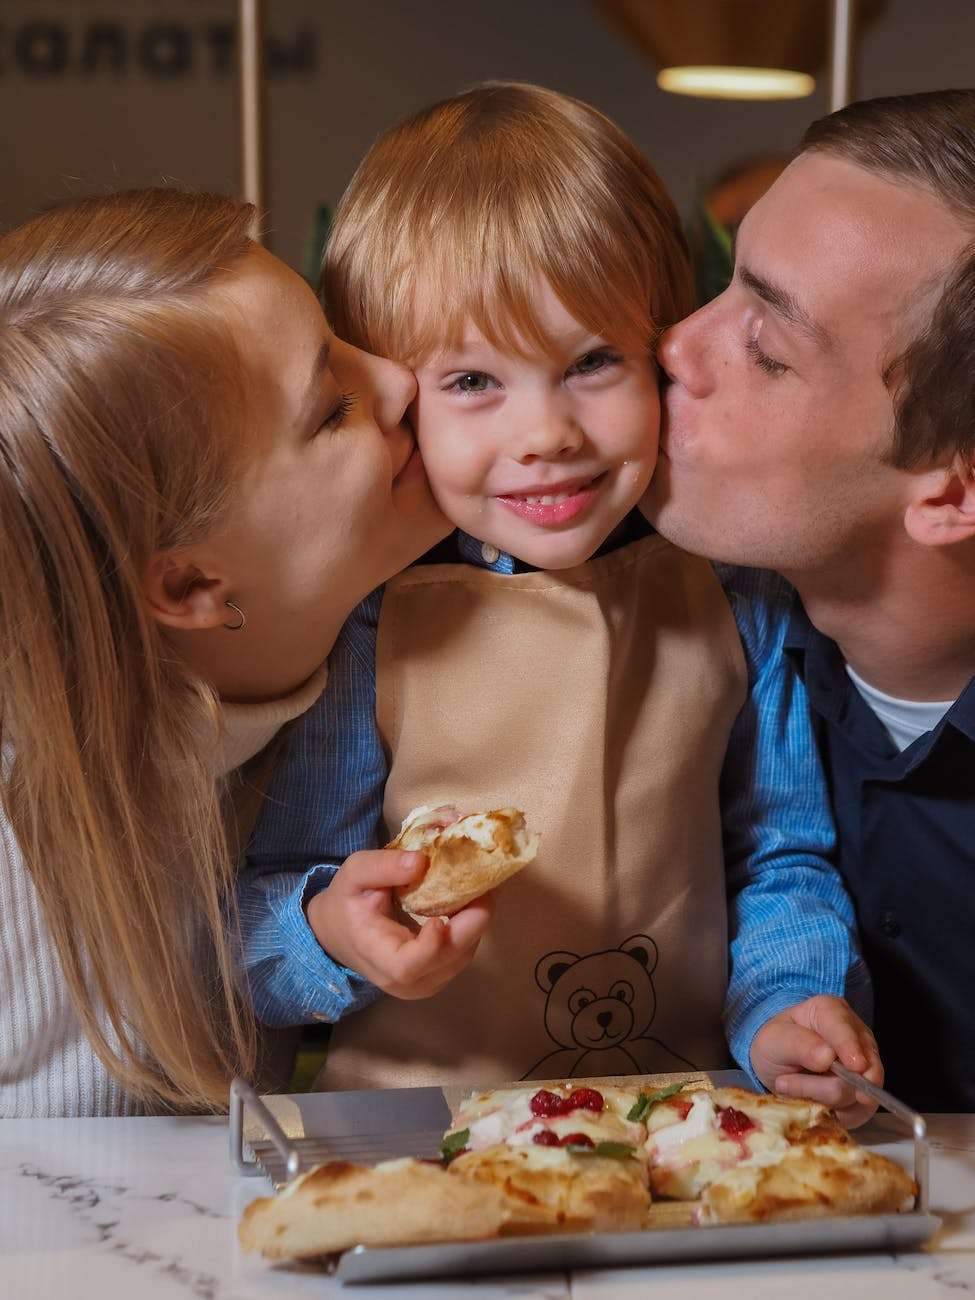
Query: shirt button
x,y
890,926
489,553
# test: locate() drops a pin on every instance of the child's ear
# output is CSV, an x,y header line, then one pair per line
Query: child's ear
x,y
180,595
942,510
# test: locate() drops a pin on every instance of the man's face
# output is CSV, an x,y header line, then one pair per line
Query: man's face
x,y
778,418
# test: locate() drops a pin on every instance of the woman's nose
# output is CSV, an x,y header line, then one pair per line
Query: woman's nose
x,y
395,390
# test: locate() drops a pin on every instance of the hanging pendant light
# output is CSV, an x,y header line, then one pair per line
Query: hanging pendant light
x,y
732,49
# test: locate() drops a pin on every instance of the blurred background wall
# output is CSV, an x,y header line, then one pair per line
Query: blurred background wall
x,y
99,93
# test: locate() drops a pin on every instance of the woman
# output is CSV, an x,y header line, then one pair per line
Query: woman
x,y
197,484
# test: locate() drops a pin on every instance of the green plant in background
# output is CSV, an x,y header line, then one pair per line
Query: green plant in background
x,y
712,253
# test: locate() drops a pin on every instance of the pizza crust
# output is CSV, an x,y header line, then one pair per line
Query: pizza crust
x,y
469,856
339,1205
546,1189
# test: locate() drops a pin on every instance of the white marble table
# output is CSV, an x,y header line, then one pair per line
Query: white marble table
x,y
146,1209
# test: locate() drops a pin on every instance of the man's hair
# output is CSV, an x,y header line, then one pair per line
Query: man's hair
x,y
455,214
924,141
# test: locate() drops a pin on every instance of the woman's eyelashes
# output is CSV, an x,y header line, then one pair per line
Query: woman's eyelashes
x,y
336,417
763,360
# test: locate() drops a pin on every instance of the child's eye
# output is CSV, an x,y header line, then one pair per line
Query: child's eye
x,y
763,360
471,381
593,362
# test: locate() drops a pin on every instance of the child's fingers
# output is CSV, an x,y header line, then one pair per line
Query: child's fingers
x,y
379,869
466,927
786,1048
851,1040
852,1108
816,1087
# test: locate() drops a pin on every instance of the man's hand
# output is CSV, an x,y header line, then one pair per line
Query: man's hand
x,y
356,921
810,1037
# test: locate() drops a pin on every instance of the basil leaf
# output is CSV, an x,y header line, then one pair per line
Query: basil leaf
x,y
454,1143
646,1100
615,1150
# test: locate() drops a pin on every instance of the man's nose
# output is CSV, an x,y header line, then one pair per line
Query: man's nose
x,y
682,357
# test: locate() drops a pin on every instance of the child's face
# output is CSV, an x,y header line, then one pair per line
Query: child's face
x,y
540,457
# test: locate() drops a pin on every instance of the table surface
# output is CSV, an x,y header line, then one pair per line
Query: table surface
x,y
146,1209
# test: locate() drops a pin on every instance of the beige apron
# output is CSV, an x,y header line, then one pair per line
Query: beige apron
x,y
600,700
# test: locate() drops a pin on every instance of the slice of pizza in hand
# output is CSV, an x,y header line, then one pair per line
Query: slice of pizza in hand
x,y
339,1205
469,854
752,1157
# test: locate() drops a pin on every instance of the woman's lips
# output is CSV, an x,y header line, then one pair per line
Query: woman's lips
x,y
409,465
552,508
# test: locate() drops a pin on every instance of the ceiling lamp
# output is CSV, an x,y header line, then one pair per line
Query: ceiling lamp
x,y
733,49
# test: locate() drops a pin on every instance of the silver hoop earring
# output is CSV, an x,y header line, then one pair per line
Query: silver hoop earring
x,y
235,627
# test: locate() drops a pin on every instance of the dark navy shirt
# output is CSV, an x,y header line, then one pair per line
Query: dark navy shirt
x,y
906,828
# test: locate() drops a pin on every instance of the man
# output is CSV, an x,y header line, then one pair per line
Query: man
x,y
821,422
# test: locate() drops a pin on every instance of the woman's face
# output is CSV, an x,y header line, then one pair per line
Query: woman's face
x,y
335,500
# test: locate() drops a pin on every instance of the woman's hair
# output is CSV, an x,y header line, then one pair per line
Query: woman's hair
x,y
456,213
119,436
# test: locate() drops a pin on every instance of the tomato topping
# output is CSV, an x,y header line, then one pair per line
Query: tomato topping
x,y
545,1104
683,1108
546,1138
577,1140
735,1123
584,1099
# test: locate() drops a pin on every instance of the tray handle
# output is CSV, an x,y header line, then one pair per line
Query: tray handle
x,y
242,1098
915,1122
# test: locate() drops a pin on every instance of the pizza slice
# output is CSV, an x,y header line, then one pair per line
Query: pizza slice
x,y
750,1157
469,854
339,1205
564,1158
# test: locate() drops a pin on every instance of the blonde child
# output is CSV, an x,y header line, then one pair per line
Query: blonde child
x,y
514,248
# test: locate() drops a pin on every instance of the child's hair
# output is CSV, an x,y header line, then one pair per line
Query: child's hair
x,y
474,199
119,436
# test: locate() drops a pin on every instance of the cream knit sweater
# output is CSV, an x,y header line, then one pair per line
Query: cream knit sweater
x,y
47,1066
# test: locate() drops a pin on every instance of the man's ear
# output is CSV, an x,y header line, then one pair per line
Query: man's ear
x,y
180,595
942,510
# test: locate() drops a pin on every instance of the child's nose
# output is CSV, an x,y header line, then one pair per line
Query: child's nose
x,y
550,435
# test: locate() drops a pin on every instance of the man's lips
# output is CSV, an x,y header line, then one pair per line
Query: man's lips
x,y
552,504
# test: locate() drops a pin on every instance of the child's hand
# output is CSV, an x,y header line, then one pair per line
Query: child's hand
x,y
810,1037
355,922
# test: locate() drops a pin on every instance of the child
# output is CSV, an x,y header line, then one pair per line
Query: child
x,y
554,653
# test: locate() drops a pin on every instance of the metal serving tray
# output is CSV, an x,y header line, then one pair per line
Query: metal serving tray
x,y
289,1134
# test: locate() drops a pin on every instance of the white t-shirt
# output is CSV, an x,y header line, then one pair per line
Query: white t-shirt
x,y
904,720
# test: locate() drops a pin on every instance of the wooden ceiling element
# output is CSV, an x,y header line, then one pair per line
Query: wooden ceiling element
x,y
788,34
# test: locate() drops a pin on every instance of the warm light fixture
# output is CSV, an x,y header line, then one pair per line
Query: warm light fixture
x,y
717,82
733,49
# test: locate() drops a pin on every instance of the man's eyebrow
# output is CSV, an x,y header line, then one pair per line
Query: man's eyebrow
x,y
310,404
786,305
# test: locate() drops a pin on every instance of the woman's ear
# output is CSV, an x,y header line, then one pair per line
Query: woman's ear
x,y
180,595
942,510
